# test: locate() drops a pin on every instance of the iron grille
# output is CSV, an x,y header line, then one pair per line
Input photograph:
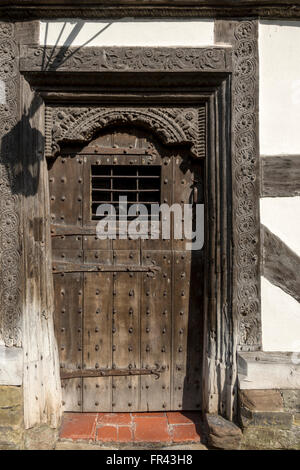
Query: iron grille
x,y
140,184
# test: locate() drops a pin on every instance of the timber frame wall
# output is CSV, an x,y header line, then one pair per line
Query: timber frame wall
x,y
226,79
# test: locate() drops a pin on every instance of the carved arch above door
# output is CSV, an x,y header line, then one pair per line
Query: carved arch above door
x,y
184,125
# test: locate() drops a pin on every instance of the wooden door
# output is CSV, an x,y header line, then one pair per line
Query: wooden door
x,y
128,312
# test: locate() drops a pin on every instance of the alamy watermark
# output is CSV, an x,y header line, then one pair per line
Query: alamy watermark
x,y
134,221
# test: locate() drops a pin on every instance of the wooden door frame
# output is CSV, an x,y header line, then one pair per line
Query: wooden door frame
x,y
225,80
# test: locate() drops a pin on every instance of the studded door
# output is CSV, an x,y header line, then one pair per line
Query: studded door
x,y
128,312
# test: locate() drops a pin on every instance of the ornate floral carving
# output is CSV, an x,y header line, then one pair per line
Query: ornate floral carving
x,y
10,262
246,184
138,58
171,125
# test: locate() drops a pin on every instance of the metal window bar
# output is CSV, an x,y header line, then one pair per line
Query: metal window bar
x,y
140,184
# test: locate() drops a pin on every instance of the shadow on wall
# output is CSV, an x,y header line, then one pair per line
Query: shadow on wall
x,y
123,32
22,150
58,59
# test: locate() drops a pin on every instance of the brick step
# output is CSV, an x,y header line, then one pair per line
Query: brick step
x,y
168,427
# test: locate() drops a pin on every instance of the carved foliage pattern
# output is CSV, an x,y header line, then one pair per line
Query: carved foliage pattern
x,y
10,317
246,185
122,59
172,125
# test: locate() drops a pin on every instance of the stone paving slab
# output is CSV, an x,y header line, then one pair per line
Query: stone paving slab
x,y
79,445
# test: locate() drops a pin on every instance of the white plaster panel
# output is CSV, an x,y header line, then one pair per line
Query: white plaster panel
x,y
11,366
280,320
279,87
127,32
282,216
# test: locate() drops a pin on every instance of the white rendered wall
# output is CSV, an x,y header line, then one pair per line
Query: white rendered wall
x,y
280,319
282,216
279,120
280,311
127,32
279,97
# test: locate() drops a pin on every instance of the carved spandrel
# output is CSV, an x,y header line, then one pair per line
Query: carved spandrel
x,y
172,125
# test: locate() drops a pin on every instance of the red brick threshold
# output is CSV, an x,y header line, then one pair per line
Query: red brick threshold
x,y
169,427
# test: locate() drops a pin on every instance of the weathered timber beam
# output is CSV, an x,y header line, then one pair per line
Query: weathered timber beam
x,y
26,9
281,266
280,176
185,3
102,59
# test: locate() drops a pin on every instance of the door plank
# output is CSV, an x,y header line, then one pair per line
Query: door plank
x,y
68,330
156,317
97,333
126,318
187,320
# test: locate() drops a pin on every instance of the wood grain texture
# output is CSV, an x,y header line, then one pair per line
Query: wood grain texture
x,y
235,313
147,2
281,266
151,8
41,381
125,59
280,176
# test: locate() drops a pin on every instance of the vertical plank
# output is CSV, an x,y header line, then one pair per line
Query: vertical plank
x,y
97,330
65,187
68,331
187,328
126,348
156,314
166,187
192,398
66,190
187,331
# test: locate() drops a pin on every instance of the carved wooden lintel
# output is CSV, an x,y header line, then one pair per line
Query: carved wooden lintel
x,y
124,59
